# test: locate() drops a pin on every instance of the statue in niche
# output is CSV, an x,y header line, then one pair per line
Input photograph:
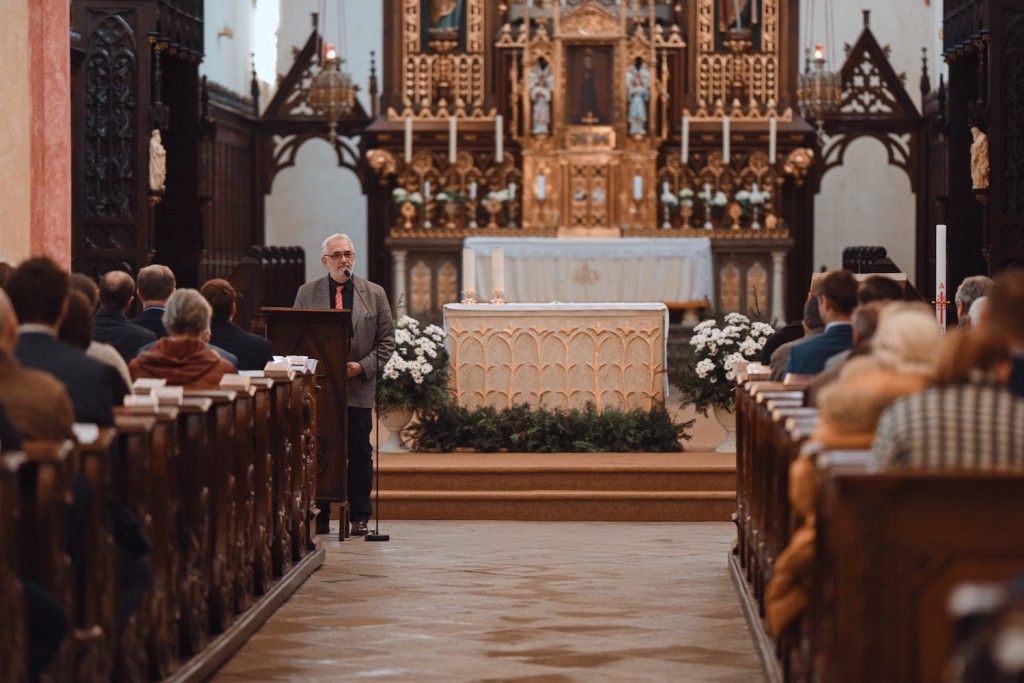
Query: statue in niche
x,y
736,15
443,20
157,162
589,91
541,83
979,159
638,83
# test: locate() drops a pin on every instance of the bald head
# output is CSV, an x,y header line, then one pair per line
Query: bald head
x,y
117,290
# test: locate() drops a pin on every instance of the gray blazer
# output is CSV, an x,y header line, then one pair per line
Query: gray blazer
x,y
373,331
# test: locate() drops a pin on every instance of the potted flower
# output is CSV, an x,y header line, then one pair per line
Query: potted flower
x,y
713,202
493,201
452,199
415,378
707,377
408,201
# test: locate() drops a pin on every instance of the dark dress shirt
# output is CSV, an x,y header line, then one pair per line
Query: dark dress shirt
x,y
152,318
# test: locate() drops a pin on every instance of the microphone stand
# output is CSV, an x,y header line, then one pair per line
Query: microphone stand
x,y
376,535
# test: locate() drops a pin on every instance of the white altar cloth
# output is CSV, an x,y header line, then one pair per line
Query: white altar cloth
x,y
545,269
558,355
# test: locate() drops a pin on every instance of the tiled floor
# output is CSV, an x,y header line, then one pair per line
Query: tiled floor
x,y
512,601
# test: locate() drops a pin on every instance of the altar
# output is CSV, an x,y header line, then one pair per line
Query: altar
x,y
590,270
558,355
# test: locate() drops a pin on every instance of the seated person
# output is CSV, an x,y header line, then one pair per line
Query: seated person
x,y
836,301
182,357
966,419
76,330
253,351
111,324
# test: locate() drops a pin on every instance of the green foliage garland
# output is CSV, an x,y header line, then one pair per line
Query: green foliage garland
x,y
522,429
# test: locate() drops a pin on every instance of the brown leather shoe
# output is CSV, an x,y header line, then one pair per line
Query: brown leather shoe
x,y
359,527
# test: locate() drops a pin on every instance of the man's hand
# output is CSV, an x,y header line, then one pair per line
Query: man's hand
x,y
354,369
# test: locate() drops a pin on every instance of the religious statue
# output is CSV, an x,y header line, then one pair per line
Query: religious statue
x,y
541,83
443,13
979,159
638,81
590,110
736,14
157,163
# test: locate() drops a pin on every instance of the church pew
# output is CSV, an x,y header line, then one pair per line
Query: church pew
x,y
282,457
263,487
149,485
44,481
891,546
13,645
194,522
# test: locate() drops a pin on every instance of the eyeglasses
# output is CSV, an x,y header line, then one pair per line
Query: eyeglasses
x,y
339,255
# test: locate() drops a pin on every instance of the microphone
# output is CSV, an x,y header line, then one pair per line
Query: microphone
x,y
348,273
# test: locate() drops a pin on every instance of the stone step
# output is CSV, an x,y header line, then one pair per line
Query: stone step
x,y
560,505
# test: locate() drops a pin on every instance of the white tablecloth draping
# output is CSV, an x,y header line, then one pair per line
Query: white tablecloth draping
x,y
541,269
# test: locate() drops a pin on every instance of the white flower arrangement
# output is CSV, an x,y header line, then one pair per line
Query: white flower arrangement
x,y
416,375
498,195
718,199
686,196
708,377
401,196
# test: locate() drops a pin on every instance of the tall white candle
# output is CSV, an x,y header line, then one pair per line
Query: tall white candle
x,y
664,187
772,132
499,139
685,152
707,191
452,131
511,190
725,139
408,139
638,188
940,276
754,189
468,271
542,187
498,269
426,191
472,190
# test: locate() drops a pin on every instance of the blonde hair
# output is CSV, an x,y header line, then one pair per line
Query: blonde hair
x,y
907,339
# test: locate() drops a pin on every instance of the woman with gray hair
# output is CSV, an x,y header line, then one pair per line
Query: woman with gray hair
x,y
183,357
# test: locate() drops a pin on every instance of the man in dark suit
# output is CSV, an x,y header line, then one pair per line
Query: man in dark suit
x,y
253,351
155,284
111,324
836,301
373,342
39,289
1006,315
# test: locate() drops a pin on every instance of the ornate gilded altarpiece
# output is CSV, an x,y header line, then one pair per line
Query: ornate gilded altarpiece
x,y
568,119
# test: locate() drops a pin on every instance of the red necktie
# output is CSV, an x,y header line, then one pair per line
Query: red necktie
x,y
339,302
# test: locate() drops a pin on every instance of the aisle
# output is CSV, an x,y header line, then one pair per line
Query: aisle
x,y
541,601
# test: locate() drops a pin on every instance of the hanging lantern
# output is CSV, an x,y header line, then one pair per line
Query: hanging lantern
x,y
331,93
819,90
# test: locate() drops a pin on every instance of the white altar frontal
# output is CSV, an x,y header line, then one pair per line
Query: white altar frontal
x,y
584,270
558,355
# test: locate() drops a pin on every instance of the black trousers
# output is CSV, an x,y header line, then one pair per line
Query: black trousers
x,y
360,463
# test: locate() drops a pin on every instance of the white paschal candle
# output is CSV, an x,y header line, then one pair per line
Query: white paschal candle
x,y
498,269
468,271
638,188
452,133
772,134
725,139
499,139
940,275
408,139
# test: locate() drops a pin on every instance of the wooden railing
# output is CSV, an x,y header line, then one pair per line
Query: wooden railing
x,y
220,485
890,546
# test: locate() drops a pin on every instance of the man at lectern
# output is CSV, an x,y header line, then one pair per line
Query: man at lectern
x,y
373,342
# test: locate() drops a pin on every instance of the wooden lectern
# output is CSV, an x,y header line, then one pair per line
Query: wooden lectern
x,y
323,334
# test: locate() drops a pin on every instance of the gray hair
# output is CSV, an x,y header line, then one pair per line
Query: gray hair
x,y
188,313
970,289
335,236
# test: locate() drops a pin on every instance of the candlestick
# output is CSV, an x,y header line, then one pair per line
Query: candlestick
x,y
498,271
725,139
452,130
685,152
638,188
499,139
408,139
772,126
468,274
940,276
